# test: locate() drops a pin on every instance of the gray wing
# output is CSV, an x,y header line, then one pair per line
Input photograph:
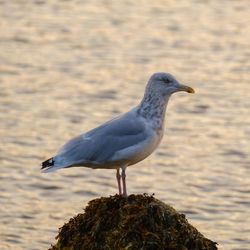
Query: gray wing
x,y
101,143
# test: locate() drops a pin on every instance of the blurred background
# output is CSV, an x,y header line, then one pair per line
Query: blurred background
x,y
68,66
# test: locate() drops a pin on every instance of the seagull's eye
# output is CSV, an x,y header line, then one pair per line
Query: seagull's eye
x,y
165,80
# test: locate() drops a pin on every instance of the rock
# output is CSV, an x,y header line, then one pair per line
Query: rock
x,y
135,222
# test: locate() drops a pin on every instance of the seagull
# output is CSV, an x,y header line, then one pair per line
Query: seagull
x,y
124,140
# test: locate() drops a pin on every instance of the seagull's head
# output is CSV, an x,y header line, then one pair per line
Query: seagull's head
x,y
167,84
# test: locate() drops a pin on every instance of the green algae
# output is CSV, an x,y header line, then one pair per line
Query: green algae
x,y
135,222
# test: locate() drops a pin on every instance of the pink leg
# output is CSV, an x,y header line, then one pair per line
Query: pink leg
x,y
118,177
124,182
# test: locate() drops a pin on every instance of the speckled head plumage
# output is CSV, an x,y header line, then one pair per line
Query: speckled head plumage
x,y
166,84
159,88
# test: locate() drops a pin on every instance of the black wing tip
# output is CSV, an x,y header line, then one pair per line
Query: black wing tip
x,y
47,163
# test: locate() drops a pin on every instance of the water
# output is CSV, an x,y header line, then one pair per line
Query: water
x,y
68,66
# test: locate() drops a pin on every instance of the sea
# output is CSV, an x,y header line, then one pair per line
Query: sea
x,y
67,66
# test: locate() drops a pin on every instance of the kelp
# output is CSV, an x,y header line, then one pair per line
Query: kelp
x,y
135,222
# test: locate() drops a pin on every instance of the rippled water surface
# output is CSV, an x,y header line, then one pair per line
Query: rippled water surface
x,y
68,66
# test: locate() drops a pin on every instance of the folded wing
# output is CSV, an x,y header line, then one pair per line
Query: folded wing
x,y
99,145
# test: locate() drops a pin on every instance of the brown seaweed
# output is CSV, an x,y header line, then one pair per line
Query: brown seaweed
x,y
135,222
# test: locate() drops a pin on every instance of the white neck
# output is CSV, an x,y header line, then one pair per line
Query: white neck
x,y
153,108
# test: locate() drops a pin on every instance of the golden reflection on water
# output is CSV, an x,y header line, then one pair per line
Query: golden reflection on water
x,y
67,66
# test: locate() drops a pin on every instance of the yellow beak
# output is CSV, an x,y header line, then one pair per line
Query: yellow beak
x,y
185,88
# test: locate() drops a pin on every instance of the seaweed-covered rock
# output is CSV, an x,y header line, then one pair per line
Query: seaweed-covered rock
x,y
135,222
